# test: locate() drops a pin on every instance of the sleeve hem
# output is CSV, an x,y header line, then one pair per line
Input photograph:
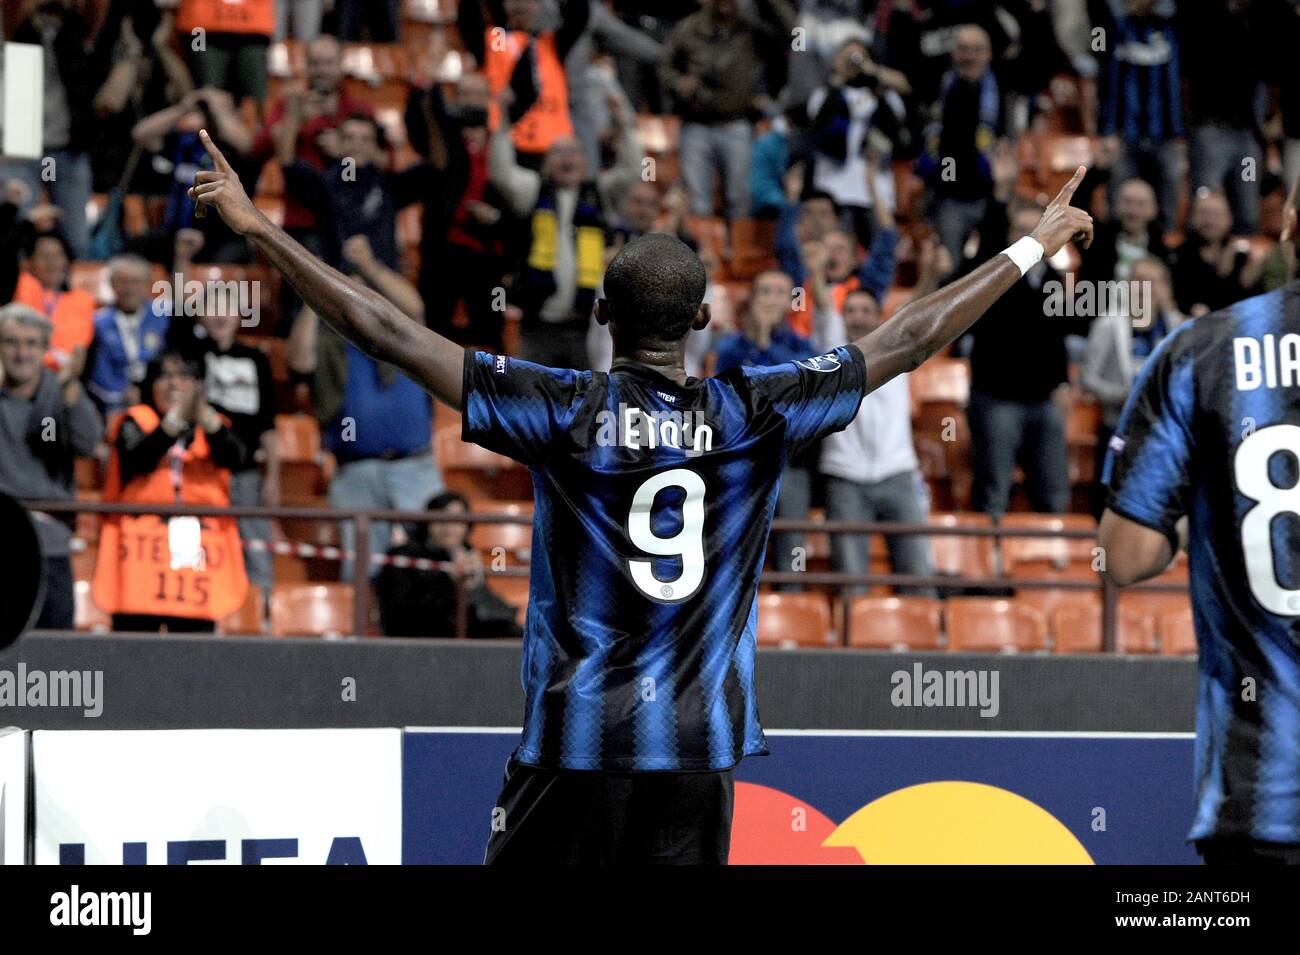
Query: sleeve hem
x,y
1170,533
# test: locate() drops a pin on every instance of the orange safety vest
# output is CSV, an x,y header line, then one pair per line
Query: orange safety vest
x,y
226,16
801,321
134,574
71,313
548,118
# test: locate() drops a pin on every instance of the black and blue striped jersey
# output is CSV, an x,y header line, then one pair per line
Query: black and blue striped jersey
x,y
653,502
1212,431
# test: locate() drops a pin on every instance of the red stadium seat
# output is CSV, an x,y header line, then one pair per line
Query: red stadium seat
x,y
992,625
895,623
311,610
793,620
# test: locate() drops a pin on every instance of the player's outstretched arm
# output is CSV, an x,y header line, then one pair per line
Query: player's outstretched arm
x,y
926,325
362,315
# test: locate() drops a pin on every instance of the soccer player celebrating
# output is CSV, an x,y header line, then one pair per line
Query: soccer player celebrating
x,y
654,496
1211,433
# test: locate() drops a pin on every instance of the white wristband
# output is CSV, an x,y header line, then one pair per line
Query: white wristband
x,y
1026,253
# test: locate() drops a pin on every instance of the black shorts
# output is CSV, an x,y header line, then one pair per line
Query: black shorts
x,y
579,817
1237,850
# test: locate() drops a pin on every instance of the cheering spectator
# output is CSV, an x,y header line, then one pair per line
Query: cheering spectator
x,y
1018,363
227,42
46,421
923,37
566,257
376,422
72,73
43,285
958,152
304,123
870,467
146,75
462,232
172,135
238,384
1141,113
845,272
765,338
1132,234
1211,269
179,574
419,601
641,207
128,336
356,195
1119,343
860,98
714,69
518,55
1223,66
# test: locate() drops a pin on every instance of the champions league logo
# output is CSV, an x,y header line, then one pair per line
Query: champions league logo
x,y
822,363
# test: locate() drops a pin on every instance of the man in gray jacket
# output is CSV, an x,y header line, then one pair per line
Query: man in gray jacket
x,y
46,422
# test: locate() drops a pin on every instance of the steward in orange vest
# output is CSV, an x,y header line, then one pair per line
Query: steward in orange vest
x,y
514,53
226,16
180,573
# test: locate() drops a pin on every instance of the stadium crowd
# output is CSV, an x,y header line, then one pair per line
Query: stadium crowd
x,y
480,164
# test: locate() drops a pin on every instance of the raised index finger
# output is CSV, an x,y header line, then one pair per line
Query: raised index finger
x,y
1067,191
218,160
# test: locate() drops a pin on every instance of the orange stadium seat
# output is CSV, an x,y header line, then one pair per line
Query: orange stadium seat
x,y
305,467
941,379
513,590
516,539
1177,633
1020,553
249,619
311,610
477,472
1077,628
994,624
895,623
960,555
793,620
1049,599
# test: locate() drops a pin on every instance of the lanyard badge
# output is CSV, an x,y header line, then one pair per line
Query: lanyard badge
x,y
184,534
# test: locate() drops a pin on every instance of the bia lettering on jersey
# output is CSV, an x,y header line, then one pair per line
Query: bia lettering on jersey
x,y
1271,361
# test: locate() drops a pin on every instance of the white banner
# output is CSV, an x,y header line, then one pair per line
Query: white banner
x,y
23,101
218,796
13,795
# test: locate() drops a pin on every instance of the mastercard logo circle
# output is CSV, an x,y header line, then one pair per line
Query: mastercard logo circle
x,y
939,823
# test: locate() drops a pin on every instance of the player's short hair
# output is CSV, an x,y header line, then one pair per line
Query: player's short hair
x,y
654,287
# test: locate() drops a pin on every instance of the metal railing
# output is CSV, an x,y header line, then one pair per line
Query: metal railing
x,y
362,519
